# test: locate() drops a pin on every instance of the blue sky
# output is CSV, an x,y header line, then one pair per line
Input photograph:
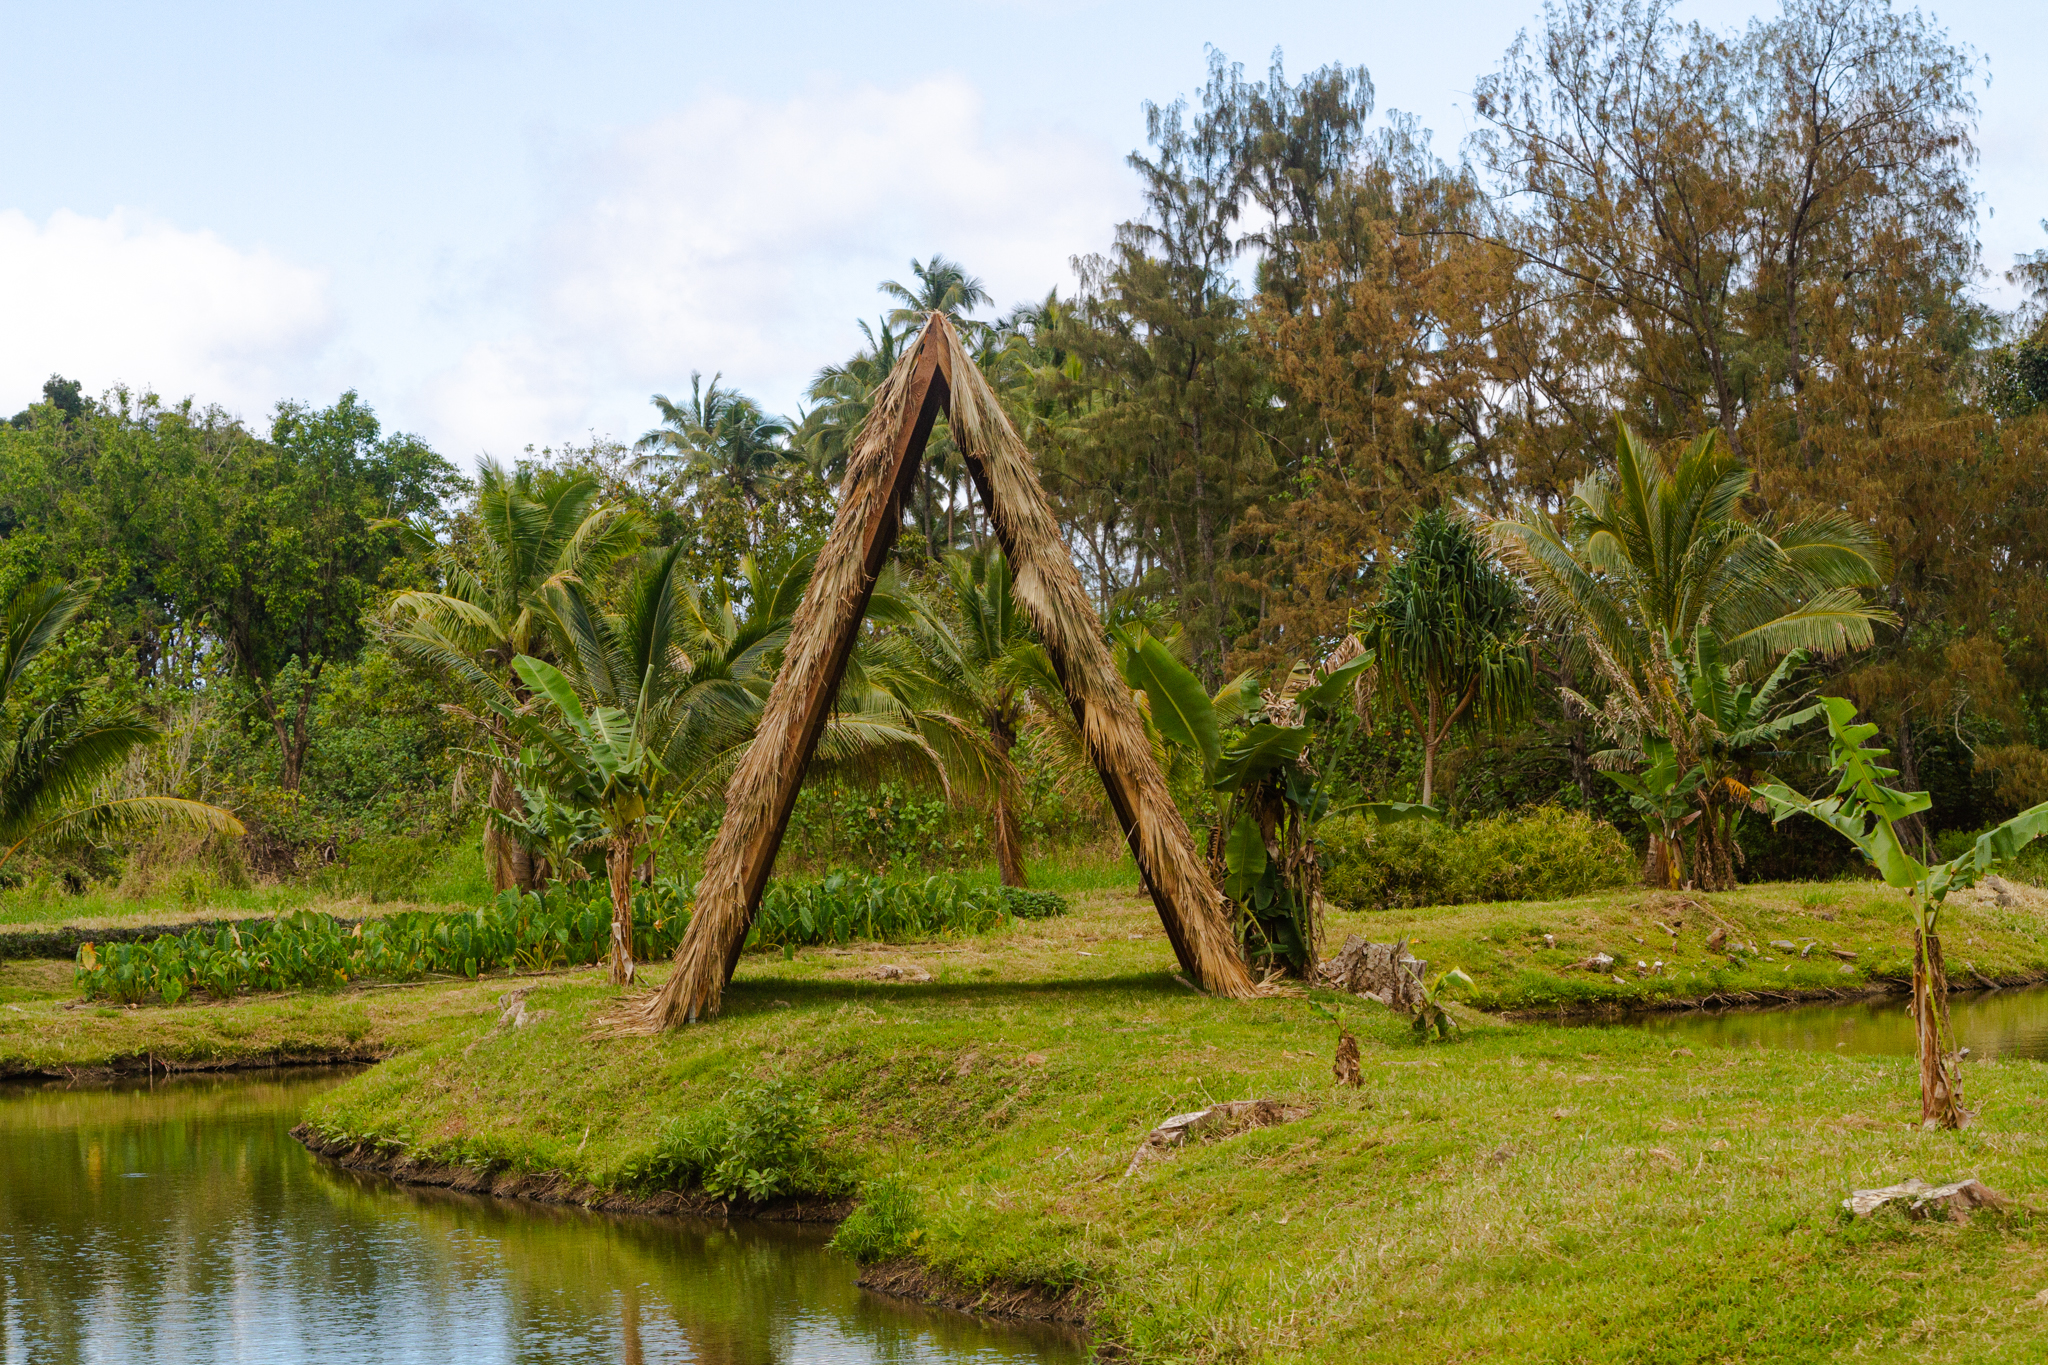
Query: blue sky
x,y
510,224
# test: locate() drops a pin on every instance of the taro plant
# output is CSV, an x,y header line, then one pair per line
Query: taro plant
x,y
1863,810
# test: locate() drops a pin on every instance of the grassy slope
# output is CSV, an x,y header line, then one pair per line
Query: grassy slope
x,y
1113,936
44,1028
1529,1193
1502,945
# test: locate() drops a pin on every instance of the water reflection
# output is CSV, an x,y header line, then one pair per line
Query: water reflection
x,y
182,1223
2010,1023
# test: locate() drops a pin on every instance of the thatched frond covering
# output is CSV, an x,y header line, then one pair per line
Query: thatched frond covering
x,y
763,788
1044,581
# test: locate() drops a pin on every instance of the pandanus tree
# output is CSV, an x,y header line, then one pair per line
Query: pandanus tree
x,y
1654,552
1863,810
531,532
54,765
1446,639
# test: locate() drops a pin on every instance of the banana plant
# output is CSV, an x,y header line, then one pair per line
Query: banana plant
x,y
1863,810
1663,797
1432,1020
1260,849
596,759
1717,733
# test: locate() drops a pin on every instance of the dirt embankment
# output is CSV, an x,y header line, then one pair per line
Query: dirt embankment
x,y
151,1064
905,1279
553,1188
912,1280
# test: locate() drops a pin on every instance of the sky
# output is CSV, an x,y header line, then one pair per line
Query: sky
x,y
508,225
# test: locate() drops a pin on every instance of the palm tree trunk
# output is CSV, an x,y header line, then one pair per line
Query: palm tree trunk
x,y
511,865
1939,1084
619,863
1009,839
1430,739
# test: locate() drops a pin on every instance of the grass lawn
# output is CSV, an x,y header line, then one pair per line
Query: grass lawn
x,y
1527,1193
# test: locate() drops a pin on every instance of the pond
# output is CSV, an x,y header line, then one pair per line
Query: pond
x,y
180,1222
2009,1023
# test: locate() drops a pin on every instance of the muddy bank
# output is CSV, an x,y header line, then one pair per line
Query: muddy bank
x,y
1882,988
553,1188
152,1064
903,1279
1000,1299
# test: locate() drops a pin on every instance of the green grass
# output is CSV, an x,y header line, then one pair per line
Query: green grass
x,y
1502,945
1528,1193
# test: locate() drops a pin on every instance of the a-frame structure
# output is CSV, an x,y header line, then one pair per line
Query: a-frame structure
x,y
937,375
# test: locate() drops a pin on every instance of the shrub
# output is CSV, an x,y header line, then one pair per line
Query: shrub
x,y
759,1143
1028,904
567,924
844,907
1541,854
886,1224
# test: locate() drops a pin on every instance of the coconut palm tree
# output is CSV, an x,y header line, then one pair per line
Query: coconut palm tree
x,y
532,531
942,286
977,657
843,394
722,440
52,768
1654,550
653,705
1656,556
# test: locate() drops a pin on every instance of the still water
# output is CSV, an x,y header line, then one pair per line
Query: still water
x,y
182,1223
2010,1023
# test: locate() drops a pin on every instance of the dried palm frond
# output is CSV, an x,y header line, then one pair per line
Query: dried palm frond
x,y
765,782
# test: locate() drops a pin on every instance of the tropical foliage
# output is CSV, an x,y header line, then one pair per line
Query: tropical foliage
x,y
1867,812
55,763
1721,460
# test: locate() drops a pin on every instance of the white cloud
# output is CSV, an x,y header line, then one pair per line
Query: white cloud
x,y
128,299
746,236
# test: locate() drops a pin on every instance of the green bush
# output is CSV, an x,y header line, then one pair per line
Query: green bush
x,y
1541,854
567,924
759,1143
843,907
886,1224
1028,904
2030,866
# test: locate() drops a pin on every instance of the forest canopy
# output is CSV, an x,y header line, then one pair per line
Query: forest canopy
x,y
1751,253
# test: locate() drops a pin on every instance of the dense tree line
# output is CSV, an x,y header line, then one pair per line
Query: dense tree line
x,y
1323,358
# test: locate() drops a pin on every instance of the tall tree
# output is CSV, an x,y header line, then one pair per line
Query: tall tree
x,y
54,762
530,530
722,442
1446,639
282,551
